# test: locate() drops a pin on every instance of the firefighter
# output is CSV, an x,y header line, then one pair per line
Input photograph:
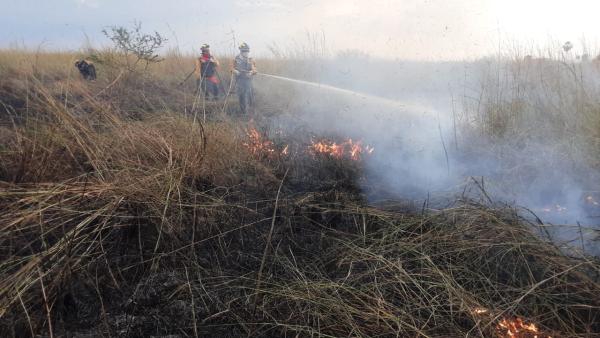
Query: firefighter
x,y
244,70
86,69
207,79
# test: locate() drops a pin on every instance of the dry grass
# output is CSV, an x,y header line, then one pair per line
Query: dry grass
x,y
116,221
550,99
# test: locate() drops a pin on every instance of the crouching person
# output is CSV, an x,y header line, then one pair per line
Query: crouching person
x,y
86,69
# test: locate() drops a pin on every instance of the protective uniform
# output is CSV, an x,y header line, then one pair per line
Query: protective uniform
x,y
206,74
244,69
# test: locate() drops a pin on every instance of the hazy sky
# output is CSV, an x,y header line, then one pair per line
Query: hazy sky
x,y
415,29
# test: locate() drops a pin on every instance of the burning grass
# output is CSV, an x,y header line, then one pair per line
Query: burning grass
x,y
351,149
518,328
260,145
156,225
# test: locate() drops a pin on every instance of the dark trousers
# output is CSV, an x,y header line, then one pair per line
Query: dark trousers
x,y
245,95
209,89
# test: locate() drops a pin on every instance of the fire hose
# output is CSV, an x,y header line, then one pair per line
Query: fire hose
x,y
187,77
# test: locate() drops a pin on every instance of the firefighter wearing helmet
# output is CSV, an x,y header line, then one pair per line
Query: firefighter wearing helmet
x,y
244,70
206,74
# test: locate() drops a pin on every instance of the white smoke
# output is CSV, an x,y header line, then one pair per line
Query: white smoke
x,y
421,119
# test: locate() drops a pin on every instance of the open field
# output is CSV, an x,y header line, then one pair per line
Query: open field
x,y
128,208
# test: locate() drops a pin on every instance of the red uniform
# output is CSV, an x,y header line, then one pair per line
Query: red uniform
x,y
206,75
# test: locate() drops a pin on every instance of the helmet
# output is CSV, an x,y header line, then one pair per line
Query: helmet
x,y
244,47
205,47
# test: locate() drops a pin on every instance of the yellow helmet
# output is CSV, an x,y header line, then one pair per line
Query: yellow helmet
x,y
244,47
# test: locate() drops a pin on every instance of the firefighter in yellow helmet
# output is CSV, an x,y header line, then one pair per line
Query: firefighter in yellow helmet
x,y
244,70
206,74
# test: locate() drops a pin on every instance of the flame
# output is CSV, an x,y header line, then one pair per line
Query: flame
x,y
257,144
514,327
518,328
260,145
348,148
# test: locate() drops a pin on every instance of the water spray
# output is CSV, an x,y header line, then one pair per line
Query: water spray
x,y
356,94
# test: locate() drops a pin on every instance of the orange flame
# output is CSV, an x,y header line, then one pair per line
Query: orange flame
x,y
514,327
257,144
348,148
517,328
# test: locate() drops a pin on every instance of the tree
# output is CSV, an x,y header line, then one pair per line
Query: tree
x,y
133,42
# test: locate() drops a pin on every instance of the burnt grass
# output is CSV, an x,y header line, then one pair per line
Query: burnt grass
x,y
147,224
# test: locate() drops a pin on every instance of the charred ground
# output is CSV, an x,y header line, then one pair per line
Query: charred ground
x,y
124,214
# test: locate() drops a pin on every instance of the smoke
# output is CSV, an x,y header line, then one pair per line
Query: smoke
x,y
434,125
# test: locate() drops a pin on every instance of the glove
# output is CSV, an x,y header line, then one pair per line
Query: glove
x,y
236,72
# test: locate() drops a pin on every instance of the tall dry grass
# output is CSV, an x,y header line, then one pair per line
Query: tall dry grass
x,y
549,97
123,220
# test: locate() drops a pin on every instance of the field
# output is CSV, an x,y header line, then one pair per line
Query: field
x,y
130,208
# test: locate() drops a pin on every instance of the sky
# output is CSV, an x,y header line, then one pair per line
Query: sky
x,y
399,29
